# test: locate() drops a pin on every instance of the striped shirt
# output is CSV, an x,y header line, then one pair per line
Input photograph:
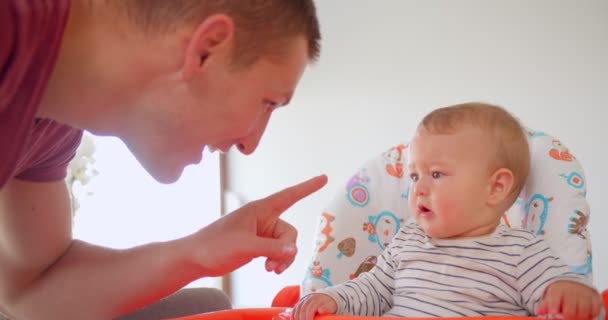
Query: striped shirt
x,y
504,273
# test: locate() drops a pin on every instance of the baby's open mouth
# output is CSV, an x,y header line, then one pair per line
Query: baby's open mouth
x,y
424,211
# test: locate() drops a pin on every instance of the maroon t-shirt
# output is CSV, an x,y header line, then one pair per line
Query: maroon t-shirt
x,y
30,37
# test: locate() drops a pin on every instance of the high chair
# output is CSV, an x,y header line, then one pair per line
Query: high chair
x,y
363,217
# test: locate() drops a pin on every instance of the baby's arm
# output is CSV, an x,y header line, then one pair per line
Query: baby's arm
x,y
370,294
549,287
571,299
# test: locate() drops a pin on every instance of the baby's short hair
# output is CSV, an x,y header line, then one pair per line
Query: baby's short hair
x,y
512,150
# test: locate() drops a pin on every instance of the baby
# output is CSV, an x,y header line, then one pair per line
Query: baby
x,y
467,164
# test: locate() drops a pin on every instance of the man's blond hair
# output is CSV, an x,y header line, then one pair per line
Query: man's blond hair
x,y
262,26
509,137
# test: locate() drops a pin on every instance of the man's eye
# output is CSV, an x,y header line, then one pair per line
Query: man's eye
x,y
437,175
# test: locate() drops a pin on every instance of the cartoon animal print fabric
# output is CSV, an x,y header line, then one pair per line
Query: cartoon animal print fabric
x,y
372,206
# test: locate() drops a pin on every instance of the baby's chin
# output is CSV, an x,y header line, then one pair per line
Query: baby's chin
x,y
433,232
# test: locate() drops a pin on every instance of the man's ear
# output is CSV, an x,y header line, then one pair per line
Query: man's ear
x,y
501,184
214,34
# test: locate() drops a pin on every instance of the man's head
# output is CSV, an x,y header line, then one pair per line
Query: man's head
x,y
261,27
468,164
172,77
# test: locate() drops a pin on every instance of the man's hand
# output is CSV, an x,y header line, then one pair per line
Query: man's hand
x,y
571,300
254,230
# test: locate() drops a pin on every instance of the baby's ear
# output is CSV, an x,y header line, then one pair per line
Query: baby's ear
x,y
501,184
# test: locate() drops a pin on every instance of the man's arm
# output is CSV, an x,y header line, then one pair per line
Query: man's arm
x,y
44,274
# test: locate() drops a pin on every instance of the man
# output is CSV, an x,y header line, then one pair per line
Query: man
x,y
169,78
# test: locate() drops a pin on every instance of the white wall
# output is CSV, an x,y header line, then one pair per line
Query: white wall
x,y
386,63
128,207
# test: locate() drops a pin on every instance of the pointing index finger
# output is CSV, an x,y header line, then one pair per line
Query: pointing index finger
x,y
282,200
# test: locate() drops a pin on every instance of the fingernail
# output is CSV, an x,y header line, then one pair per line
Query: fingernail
x,y
290,249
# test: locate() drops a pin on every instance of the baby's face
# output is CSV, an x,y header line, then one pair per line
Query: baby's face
x,y
450,184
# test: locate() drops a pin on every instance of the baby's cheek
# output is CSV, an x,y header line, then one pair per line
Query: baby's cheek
x,y
451,205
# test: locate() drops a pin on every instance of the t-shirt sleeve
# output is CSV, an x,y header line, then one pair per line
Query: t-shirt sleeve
x,y
30,38
54,166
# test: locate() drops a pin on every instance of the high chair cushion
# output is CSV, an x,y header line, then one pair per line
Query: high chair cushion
x,y
369,210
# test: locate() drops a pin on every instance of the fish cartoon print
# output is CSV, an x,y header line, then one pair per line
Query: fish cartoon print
x,y
536,211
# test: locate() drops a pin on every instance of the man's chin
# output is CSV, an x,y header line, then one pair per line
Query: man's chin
x,y
166,176
167,179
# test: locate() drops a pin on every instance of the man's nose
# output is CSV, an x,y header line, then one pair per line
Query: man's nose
x,y
248,144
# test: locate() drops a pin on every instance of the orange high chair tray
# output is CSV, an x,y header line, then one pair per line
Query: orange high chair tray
x,y
281,313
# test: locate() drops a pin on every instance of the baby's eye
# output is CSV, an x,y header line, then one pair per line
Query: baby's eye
x,y
414,177
437,174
